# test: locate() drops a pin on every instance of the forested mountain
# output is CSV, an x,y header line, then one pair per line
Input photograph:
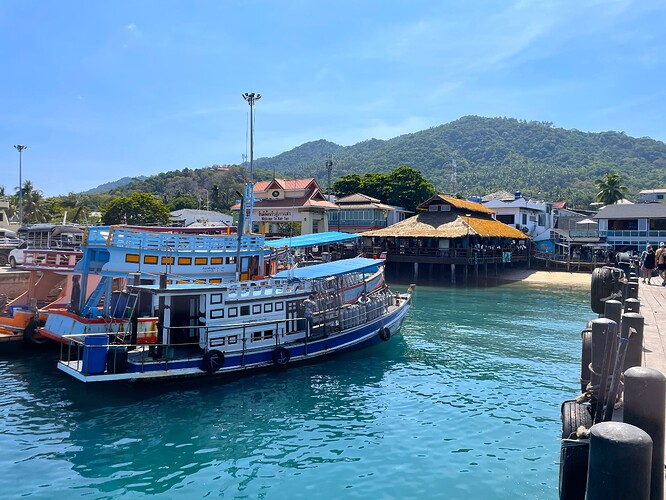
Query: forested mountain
x,y
108,186
491,154
494,154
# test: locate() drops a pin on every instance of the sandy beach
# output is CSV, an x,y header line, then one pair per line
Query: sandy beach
x,y
554,277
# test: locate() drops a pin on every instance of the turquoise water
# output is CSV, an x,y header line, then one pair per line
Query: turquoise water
x,y
464,405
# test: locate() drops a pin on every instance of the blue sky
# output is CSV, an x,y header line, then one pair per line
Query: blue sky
x,y
103,90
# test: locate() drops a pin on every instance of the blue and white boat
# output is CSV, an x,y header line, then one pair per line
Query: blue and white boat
x,y
216,329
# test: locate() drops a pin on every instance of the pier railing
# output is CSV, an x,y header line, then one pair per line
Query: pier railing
x,y
463,256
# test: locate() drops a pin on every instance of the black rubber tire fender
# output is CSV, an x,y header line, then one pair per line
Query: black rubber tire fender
x,y
602,287
212,361
575,415
384,334
29,336
281,356
585,358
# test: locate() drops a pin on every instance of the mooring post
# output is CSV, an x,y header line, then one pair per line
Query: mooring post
x,y
632,290
603,357
613,310
620,461
632,305
644,403
453,273
636,322
416,271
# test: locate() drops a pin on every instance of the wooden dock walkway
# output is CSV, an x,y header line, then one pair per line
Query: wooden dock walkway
x,y
653,309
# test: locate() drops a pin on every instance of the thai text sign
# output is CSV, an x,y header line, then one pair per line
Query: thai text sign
x,y
278,216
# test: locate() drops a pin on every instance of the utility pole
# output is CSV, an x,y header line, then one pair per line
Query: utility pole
x,y
329,170
20,149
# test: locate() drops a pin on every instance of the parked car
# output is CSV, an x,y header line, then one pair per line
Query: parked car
x,y
17,255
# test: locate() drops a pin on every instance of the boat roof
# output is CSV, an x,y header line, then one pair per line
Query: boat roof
x,y
310,240
358,264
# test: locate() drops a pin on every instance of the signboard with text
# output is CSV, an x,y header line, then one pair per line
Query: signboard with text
x,y
274,215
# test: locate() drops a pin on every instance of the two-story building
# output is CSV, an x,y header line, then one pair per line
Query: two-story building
x,y
532,217
281,201
359,212
631,227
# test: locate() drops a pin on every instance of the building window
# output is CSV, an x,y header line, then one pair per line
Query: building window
x,y
245,310
233,312
268,308
256,309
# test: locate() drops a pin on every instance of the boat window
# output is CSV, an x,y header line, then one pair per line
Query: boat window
x,y
232,339
256,309
268,308
184,261
200,261
217,342
168,261
216,261
216,313
216,298
245,310
268,334
132,258
279,306
233,312
256,336
231,260
150,259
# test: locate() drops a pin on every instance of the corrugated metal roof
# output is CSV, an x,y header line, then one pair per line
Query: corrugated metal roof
x,y
634,211
310,240
447,225
285,184
357,198
327,269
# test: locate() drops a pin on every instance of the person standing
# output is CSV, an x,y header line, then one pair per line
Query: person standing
x,y
660,256
75,296
649,264
309,309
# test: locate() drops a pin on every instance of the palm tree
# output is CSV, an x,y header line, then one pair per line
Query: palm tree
x,y
33,204
610,188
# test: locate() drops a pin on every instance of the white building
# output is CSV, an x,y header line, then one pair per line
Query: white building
x,y
189,216
532,217
652,196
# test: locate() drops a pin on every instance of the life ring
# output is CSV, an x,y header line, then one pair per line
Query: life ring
x,y
30,335
213,360
384,334
281,356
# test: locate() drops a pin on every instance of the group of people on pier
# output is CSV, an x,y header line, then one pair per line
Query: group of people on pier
x,y
652,261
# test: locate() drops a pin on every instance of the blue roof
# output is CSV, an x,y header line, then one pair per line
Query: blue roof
x,y
327,269
310,240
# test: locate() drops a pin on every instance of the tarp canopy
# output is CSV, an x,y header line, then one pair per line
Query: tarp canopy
x,y
311,240
358,264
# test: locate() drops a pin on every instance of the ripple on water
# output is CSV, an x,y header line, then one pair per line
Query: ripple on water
x,y
464,405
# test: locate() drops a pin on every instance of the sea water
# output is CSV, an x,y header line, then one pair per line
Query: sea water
x,y
464,404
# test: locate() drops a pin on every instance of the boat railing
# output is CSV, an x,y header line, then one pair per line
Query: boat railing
x,y
51,259
121,237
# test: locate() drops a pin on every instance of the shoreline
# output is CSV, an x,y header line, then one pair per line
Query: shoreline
x,y
541,276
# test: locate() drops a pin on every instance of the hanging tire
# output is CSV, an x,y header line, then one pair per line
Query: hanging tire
x,y
585,359
602,287
384,334
30,335
212,361
281,357
575,415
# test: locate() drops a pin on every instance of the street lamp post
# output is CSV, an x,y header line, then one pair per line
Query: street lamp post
x,y
20,149
251,98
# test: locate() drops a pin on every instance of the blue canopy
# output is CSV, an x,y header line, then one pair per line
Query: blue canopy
x,y
310,240
358,264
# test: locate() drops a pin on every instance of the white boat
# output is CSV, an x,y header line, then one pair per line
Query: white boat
x,y
215,329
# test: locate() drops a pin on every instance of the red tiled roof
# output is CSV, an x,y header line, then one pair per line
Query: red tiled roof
x,y
286,184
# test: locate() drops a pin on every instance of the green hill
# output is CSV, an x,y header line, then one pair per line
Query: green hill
x,y
491,154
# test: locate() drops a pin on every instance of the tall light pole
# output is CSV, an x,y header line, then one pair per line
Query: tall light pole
x,y
251,98
20,149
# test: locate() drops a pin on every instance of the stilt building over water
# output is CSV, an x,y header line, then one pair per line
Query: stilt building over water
x,y
452,237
